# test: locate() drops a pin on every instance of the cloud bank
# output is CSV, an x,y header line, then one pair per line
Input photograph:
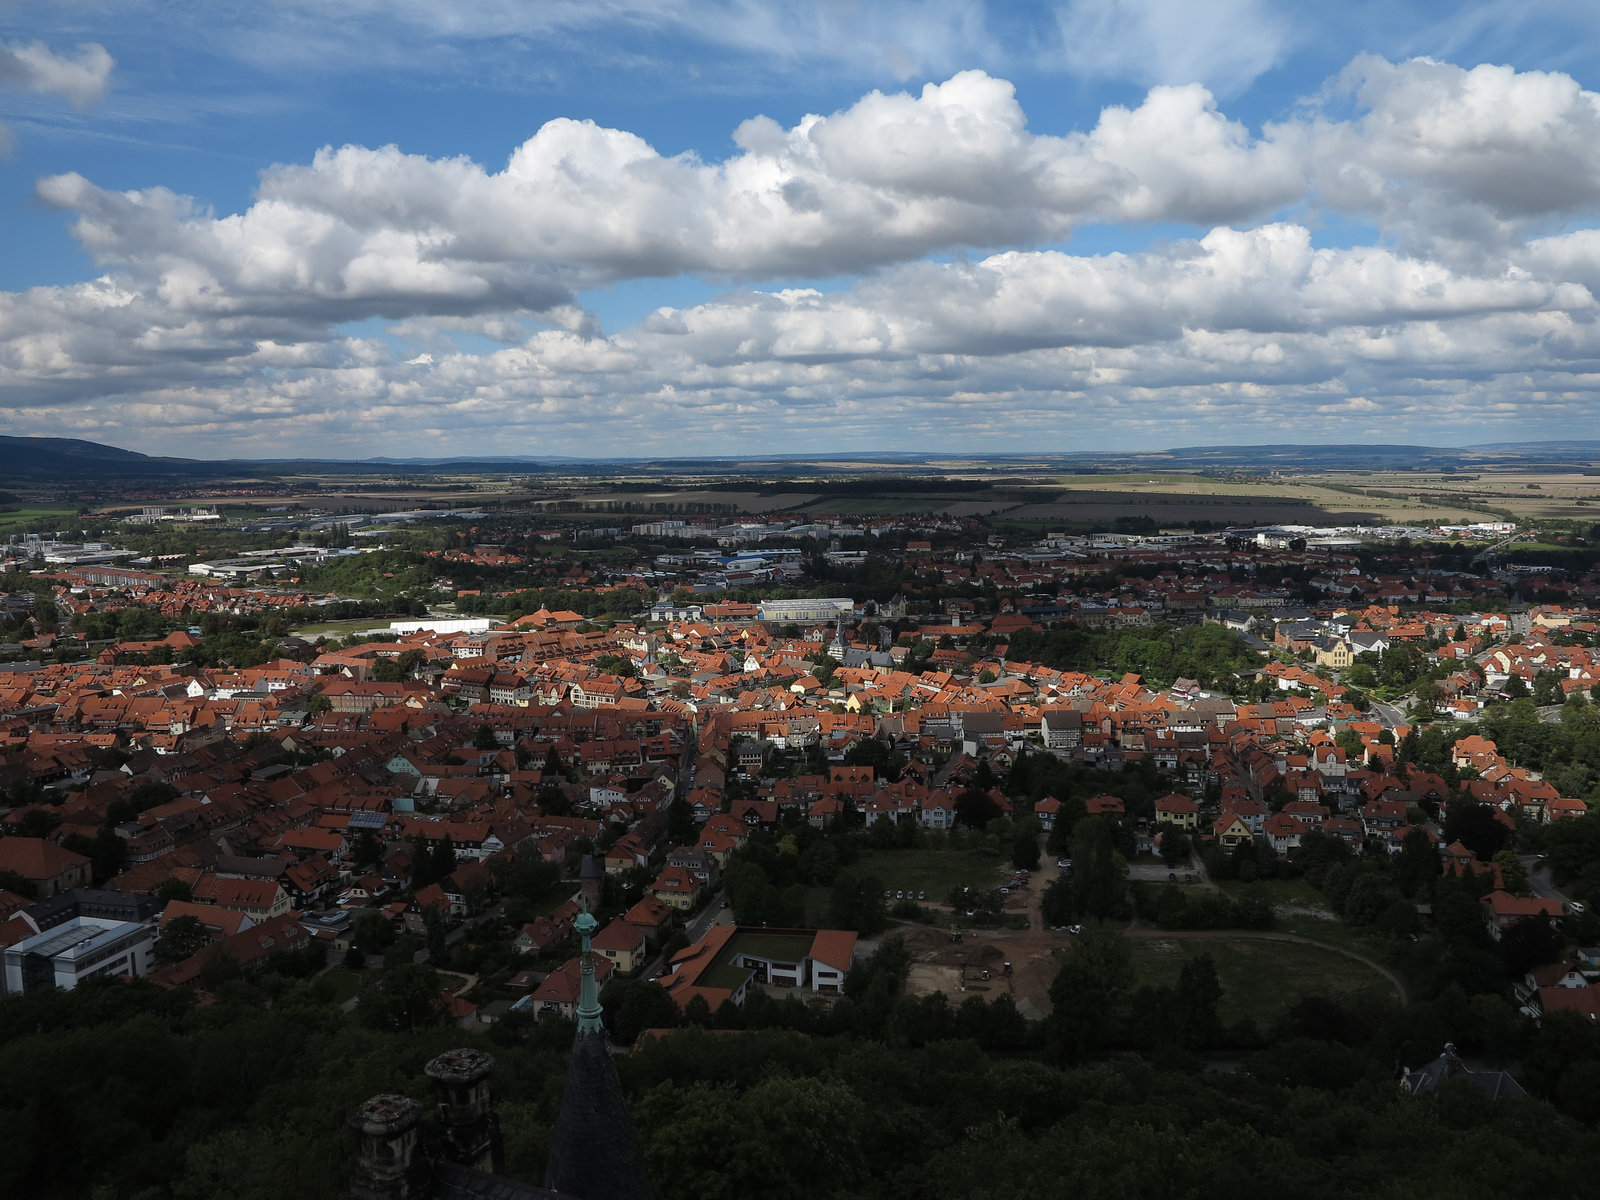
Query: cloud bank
x,y
968,318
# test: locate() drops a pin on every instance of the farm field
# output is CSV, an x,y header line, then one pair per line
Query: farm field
x,y
1562,495
749,502
1335,501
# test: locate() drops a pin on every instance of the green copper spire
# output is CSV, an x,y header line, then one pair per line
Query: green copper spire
x,y
589,1010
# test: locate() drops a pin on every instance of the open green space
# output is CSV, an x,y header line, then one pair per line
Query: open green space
x,y
933,871
1300,909
343,629
24,520
1261,978
1295,893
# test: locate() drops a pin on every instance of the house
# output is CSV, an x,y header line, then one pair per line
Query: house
x,y
544,932
651,915
1382,818
1308,812
259,899
1496,1085
1047,810
218,922
558,995
1584,1001
1178,810
250,948
1563,974
1230,830
1062,728
1502,910
1283,832
676,887
702,864
622,944
45,865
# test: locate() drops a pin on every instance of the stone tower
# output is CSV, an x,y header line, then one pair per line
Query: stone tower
x,y
389,1167
469,1128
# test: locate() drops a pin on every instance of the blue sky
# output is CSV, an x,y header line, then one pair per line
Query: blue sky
x,y
399,227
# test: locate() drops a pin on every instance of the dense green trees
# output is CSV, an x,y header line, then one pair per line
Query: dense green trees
x,y
1209,654
882,1095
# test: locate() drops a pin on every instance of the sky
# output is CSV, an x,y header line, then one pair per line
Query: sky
x,y
619,228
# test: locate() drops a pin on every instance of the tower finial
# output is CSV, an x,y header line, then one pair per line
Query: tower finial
x,y
589,1010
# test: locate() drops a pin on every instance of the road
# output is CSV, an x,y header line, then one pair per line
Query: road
x,y
1539,881
1389,715
712,914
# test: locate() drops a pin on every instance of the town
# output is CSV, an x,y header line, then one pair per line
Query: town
x,y
780,769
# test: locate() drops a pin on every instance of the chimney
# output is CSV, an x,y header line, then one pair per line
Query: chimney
x,y
388,1166
471,1131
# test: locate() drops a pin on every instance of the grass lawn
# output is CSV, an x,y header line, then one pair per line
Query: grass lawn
x,y
1296,893
1260,979
346,983
1301,909
933,871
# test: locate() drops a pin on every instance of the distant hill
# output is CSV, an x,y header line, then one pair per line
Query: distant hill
x,y
55,458
47,458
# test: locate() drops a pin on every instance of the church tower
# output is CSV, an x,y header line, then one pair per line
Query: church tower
x,y
594,1153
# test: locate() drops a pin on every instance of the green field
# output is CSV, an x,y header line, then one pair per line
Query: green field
x,y
1260,978
343,629
1295,892
23,520
933,871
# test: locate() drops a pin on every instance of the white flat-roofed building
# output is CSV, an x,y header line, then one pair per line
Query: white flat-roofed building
x,y
802,612
459,625
64,955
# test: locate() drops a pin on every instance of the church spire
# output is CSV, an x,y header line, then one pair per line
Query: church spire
x,y
594,1153
589,1010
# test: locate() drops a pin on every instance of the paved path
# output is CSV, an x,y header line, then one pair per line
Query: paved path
x,y
1265,936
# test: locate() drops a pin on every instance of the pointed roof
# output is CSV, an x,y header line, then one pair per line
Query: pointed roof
x,y
594,1153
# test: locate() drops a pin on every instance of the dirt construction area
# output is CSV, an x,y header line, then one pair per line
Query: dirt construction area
x,y
958,969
